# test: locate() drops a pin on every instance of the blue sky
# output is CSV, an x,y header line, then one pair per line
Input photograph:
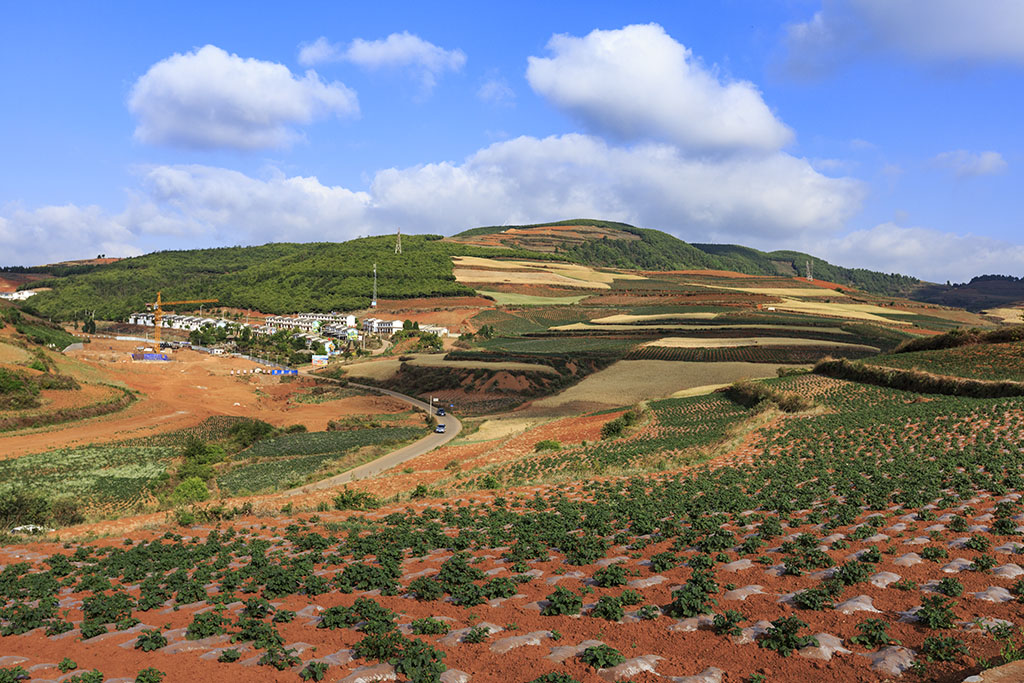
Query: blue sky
x,y
876,133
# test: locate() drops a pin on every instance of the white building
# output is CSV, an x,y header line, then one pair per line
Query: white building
x,y
18,296
383,327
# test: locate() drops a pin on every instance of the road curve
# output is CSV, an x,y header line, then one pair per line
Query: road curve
x,y
392,459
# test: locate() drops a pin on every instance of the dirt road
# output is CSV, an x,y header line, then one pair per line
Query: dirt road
x,y
395,458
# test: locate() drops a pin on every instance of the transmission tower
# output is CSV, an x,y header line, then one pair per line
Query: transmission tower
x,y
809,278
398,242
373,302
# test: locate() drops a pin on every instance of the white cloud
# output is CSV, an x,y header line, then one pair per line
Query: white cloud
x,y
397,51
638,83
927,30
496,91
965,164
932,255
318,52
529,179
58,233
233,207
209,98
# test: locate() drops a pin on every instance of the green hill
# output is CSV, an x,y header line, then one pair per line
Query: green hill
x,y
273,278
656,250
324,276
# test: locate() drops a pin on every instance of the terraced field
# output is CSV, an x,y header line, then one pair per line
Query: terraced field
x,y
977,361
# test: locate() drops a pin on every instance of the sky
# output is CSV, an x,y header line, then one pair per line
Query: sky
x,y
880,134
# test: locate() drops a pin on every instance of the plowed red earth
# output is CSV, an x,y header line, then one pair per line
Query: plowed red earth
x,y
184,392
684,652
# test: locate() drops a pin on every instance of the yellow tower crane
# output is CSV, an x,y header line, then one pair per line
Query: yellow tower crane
x,y
158,312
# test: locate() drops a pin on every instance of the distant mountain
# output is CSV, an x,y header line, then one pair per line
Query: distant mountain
x,y
982,292
619,245
322,276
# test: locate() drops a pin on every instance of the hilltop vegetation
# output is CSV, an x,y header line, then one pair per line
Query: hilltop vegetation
x,y
322,276
273,278
656,250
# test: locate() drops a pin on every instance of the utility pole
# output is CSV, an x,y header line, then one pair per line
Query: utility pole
x,y
373,302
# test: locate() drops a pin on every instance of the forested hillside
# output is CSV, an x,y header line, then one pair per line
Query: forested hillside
x,y
273,278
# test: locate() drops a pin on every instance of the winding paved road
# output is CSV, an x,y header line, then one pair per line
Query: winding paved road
x,y
392,459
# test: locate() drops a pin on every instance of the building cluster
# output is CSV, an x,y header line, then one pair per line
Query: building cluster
x,y
389,327
177,322
316,328
17,296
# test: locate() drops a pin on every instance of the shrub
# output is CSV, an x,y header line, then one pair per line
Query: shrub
x,y
936,612
477,634
782,636
602,657
150,639
609,608
314,671
428,626
150,675
562,601
191,490
547,445
349,499
873,634
944,649
727,623
610,576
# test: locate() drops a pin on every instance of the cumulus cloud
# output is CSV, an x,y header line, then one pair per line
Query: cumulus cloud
x,y
398,50
927,30
208,98
529,179
930,254
638,83
496,91
966,164
231,206
318,52
58,233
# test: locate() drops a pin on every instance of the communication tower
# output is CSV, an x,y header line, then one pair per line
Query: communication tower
x,y
398,242
373,302
809,278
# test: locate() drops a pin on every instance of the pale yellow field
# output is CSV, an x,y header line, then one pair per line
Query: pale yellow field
x,y
514,299
1006,315
719,343
501,428
851,311
776,291
669,326
624,318
9,353
630,381
573,271
376,369
539,277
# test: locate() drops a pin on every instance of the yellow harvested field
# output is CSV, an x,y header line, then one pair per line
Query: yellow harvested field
x,y
538,277
1006,315
776,291
623,318
501,428
851,311
573,271
630,381
375,369
726,342
9,353
570,327
514,299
